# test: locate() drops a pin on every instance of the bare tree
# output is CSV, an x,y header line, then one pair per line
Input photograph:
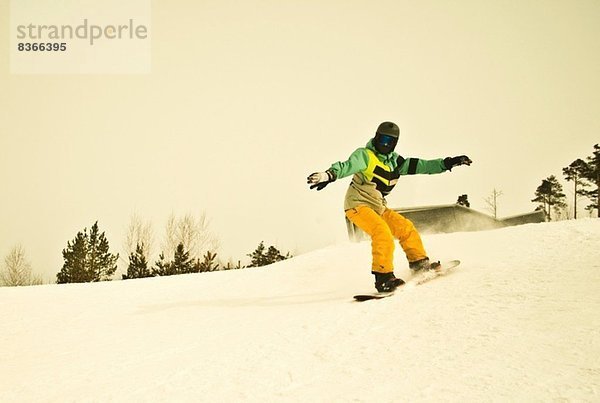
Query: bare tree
x,y
231,265
17,269
492,202
193,233
139,233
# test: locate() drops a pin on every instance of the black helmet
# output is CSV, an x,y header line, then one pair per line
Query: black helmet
x,y
386,137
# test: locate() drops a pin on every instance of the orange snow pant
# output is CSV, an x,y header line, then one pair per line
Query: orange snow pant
x,y
383,229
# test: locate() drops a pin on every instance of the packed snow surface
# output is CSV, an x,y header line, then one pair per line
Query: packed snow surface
x,y
518,320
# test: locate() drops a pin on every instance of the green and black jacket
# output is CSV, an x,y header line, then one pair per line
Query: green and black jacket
x,y
375,175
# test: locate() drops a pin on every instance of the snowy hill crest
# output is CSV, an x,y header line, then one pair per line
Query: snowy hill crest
x,y
518,321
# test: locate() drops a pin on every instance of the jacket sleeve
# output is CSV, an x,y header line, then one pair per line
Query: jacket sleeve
x,y
416,166
358,161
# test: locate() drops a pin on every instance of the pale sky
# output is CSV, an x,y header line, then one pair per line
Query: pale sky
x,y
245,99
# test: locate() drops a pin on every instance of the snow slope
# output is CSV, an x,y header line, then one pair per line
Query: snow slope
x,y
519,320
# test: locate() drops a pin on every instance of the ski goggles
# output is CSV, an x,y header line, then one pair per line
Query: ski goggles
x,y
386,140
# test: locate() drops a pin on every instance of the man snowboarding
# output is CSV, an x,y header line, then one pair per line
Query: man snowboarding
x,y
376,169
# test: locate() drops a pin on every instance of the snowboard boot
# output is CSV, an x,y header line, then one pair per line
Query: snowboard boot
x,y
423,264
387,282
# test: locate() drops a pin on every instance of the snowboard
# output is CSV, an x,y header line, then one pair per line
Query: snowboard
x,y
417,279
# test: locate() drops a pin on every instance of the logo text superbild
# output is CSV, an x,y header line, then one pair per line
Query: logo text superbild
x,y
84,31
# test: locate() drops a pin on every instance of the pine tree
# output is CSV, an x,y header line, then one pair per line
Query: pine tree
x,y
87,258
463,200
274,255
74,270
593,176
162,267
180,264
208,264
102,264
258,257
549,195
576,172
138,265
261,258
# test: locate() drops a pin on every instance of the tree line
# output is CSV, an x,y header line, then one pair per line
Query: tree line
x,y
585,176
549,196
189,247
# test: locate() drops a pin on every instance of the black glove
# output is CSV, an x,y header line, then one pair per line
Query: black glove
x,y
451,162
320,179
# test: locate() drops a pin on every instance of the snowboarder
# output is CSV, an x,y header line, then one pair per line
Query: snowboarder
x,y
376,169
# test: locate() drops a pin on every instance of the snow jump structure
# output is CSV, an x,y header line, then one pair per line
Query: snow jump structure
x,y
452,218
